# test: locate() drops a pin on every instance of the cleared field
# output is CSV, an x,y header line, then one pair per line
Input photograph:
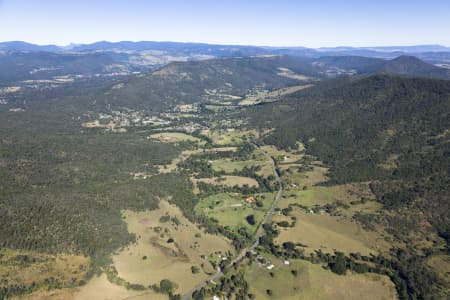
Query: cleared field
x,y
328,234
221,138
282,156
99,288
186,154
313,282
441,265
167,249
162,169
174,137
229,137
231,209
228,165
317,175
285,72
214,108
269,96
26,267
322,195
229,180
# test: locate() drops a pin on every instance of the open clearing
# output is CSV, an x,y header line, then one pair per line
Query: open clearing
x,y
258,159
313,282
174,137
186,154
316,175
229,180
285,72
231,209
224,138
282,156
155,256
229,165
322,195
26,267
270,96
98,288
441,265
229,137
328,234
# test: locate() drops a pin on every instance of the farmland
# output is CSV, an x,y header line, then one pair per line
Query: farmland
x,y
313,282
167,249
231,209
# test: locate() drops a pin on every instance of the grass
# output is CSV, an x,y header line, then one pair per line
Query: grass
x,y
316,175
228,165
224,138
172,166
314,282
230,209
441,266
282,156
349,194
174,137
269,96
230,181
39,267
98,288
214,108
172,261
328,234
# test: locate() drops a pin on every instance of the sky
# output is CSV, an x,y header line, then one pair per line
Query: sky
x,y
314,23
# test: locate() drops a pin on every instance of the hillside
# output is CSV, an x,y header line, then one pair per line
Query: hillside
x,y
389,131
195,81
401,65
412,66
20,66
354,168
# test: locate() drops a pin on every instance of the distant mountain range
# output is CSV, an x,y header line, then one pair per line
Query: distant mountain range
x,y
430,53
406,65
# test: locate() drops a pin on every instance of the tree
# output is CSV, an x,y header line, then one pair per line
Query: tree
x,y
166,286
250,219
339,264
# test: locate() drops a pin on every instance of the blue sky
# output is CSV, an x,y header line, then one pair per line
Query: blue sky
x,y
251,22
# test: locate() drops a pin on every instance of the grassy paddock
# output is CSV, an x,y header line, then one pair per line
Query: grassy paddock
x,y
174,137
230,181
163,259
328,234
230,209
20,267
313,282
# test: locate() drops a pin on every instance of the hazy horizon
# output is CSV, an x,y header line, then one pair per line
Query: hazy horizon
x,y
224,44
323,23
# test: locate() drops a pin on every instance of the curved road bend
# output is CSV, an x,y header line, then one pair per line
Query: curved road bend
x,y
258,235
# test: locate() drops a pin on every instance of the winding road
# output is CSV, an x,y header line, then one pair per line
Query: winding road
x,y
259,233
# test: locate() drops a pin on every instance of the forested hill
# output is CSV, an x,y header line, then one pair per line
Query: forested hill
x,y
392,132
412,66
402,65
356,125
380,128
190,82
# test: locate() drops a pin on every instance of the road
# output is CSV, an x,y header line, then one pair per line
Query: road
x,y
259,233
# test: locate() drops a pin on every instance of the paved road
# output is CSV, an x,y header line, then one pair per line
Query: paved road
x,y
259,233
